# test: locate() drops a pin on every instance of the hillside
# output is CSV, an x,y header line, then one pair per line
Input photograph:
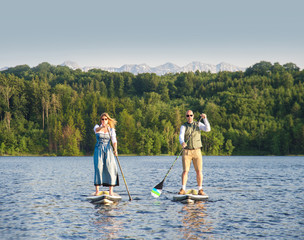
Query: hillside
x,y
52,110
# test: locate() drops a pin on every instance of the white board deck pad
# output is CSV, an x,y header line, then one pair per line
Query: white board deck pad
x,y
104,198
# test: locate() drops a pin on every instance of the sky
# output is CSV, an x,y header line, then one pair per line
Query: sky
x,y
111,33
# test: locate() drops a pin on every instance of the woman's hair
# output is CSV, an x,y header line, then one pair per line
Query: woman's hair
x,y
111,121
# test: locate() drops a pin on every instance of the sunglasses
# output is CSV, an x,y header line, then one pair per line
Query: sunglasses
x,y
189,115
104,119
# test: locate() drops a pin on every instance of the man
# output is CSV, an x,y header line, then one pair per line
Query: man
x,y
190,139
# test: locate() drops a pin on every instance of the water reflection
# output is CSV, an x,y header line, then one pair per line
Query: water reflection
x,y
194,221
42,207
107,222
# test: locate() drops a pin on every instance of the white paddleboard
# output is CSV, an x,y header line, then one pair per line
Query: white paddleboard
x,y
104,198
191,196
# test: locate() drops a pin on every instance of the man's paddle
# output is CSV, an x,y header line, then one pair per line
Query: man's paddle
x,y
156,191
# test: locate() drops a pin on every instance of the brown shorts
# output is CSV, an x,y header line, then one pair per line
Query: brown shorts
x,y
194,155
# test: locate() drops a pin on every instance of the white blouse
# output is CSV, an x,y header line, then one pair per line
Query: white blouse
x,y
112,133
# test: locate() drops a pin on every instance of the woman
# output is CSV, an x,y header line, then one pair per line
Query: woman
x,y
106,173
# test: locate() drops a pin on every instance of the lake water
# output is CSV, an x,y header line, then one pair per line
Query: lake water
x,y
249,198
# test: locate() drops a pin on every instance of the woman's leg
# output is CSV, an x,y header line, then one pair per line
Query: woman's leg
x,y
97,190
111,190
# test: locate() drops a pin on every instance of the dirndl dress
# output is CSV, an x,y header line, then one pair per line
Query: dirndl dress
x,y
105,167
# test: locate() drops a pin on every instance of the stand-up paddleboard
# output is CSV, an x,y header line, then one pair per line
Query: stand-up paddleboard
x,y
191,196
104,198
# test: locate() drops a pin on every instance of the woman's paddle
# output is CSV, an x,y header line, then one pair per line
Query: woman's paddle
x,y
130,199
156,191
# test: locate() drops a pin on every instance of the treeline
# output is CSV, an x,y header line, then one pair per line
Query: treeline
x,y
51,110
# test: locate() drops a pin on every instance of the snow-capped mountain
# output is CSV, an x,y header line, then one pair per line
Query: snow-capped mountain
x,y
198,66
71,64
166,68
228,67
134,68
3,69
162,69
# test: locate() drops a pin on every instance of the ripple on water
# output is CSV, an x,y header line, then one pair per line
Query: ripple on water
x,y
249,198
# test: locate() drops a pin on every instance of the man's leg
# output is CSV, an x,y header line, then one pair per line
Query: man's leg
x,y
186,159
198,166
184,178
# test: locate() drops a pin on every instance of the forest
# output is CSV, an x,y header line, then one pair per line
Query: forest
x,y
51,110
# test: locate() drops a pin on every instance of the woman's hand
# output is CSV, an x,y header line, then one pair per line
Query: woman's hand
x,y
104,126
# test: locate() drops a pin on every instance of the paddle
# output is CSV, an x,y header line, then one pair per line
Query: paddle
x,y
130,199
157,190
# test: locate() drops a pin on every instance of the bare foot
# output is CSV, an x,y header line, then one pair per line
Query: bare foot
x,y
96,193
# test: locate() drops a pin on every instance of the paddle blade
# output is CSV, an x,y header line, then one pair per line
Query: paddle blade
x,y
156,192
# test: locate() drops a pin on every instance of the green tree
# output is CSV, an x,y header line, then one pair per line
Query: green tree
x,y
126,131
229,147
262,68
71,138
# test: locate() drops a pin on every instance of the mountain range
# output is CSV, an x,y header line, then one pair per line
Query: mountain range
x,y
161,69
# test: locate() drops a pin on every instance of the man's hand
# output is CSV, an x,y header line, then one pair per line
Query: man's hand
x,y
203,115
184,145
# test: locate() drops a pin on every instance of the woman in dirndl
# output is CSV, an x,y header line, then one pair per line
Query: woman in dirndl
x,y
106,173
